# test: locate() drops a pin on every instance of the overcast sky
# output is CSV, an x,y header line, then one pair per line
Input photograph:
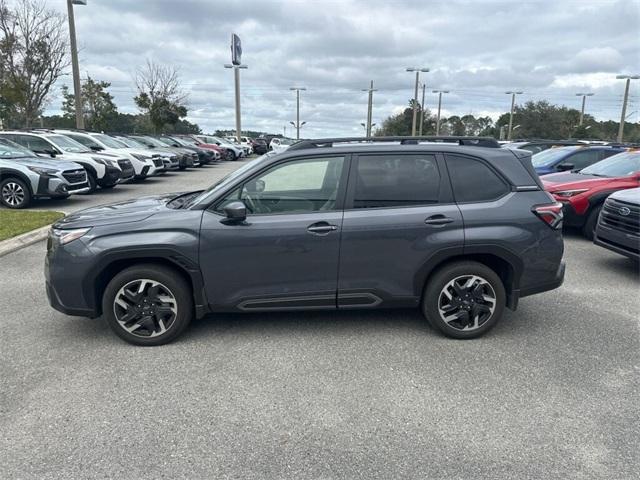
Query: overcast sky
x,y
550,49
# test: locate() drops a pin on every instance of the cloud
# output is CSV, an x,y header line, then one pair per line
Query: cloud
x,y
476,49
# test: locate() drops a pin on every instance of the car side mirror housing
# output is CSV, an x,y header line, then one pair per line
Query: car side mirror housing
x,y
96,148
51,152
236,212
564,167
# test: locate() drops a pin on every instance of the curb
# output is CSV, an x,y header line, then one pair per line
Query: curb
x,y
24,240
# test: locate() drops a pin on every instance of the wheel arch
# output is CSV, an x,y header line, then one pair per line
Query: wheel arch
x,y
110,266
11,173
505,263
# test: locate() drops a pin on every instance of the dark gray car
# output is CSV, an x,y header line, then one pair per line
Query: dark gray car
x,y
459,231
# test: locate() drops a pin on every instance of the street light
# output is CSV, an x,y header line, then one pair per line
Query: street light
x,y
297,125
439,92
367,128
415,96
584,99
236,79
513,104
623,116
369,108
77,91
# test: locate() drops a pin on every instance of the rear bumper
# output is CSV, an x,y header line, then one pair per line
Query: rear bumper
x,y
545,286
571,218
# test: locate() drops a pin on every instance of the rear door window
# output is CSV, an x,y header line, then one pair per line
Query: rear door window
x,y
396,180
583,159
474,181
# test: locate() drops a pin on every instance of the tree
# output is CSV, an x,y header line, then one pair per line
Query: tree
x,y
543,120
97,104
33,55
401,123
159,95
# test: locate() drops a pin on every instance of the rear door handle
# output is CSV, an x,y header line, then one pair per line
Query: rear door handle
x,y
437,220
321,228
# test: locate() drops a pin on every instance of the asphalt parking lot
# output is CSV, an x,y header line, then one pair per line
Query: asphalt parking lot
x,y
551,392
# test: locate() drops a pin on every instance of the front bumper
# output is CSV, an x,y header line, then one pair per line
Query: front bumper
x,y
64,271
111,177
52,187
620,242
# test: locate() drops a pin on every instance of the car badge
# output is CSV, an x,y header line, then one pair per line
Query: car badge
x,y
624,211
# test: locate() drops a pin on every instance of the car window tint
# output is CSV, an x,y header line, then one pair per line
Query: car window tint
x,y
307,185
393,180
473,181
35,144
583,159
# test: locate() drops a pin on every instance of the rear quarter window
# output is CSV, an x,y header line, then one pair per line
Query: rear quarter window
x,y
474,181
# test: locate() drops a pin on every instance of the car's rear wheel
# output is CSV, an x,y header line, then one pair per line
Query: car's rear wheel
x,y
14,193
147,305
589,227
464,299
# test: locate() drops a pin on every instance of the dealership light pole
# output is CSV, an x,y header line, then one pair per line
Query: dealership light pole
x,y
513,104
236,65
424,86
369,108
367,127
297,125
77,90
439,92
623,116
415,97
584,99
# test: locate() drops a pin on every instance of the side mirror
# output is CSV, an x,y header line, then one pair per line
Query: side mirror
x,y
51,152
563,167
236,212
96,148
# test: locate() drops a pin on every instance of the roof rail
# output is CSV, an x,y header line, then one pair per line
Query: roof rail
x,y
488,142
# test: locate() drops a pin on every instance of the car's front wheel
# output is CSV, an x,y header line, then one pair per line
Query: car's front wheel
x,y
147,305
14,193
464,299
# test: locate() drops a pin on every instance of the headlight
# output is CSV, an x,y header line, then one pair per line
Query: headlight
x,y
45,172
102,161
62,237
570,193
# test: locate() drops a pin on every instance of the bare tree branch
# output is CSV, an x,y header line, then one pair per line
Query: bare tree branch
x,y
33,54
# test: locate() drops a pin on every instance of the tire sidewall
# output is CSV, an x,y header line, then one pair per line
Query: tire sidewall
x,y
27,193
179,288
590,225
444,275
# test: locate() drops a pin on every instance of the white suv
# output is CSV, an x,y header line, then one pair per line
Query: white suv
x,y
103,170
145,163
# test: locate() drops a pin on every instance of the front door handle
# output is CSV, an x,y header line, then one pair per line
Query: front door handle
x,y
438,220
321,228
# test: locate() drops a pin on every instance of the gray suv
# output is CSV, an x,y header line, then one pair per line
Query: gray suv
x,y
455,226
25,177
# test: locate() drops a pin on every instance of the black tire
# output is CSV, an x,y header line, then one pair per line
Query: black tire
x,y
231,156
431,301
170,282
14,193
589,227
108,186
92,182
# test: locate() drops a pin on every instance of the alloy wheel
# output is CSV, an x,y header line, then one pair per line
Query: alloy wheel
x,y
467,302
13,194
145,308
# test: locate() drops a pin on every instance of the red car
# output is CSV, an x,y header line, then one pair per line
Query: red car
x,y
583,193
222,154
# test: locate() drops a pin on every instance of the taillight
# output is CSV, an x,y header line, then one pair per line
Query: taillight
x,y
549,213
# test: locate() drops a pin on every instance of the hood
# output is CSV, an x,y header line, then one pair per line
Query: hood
x,y
631,195
567,180
44,163
121,212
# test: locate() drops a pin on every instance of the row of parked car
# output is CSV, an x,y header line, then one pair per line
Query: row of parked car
x,y
43,163
597,185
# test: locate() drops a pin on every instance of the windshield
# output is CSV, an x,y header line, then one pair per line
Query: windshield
x,y
167,142
149,141
67,144
551,156
286,141
190,142
620,165
130,142
109,141
224,181
180,141
9,149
